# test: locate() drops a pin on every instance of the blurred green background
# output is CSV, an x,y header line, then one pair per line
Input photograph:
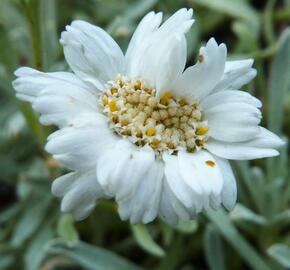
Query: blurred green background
x,y
35,235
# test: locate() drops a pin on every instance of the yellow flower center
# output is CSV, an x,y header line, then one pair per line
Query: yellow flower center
x,y
165,123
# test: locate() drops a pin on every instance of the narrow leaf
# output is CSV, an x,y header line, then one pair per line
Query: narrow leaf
x,y
213,249
281,253
231,234
187,226
242,213
279,84
67,230
90,257
239,9
145,241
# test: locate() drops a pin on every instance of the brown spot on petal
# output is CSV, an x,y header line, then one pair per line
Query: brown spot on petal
x,y
200,58
210,163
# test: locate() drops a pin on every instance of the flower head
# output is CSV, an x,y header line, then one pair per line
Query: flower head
x,y
140,127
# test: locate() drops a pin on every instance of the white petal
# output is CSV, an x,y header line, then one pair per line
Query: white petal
x,y
143,206
237,73
121,168
167,212
91,53
171,64
175,181
180,21
233,121
63,103
229,191
263,145
190,185
202,174
59,97
199,80
80,147
267,138
137,46
171,209
229,96
80,191
31,82
154,51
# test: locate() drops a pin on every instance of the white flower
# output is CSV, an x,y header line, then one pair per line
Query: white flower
x,y
141,129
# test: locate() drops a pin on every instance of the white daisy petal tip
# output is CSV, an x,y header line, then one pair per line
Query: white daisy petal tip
x,y
273,139
142,129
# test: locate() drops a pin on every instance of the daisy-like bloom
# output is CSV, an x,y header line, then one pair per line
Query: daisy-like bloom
x,y
142,129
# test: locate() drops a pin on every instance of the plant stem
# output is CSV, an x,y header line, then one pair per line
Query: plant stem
x,y
282,14
265,53
238,242
268,21
31,10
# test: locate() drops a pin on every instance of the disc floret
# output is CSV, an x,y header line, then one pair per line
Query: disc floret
x,y
167,122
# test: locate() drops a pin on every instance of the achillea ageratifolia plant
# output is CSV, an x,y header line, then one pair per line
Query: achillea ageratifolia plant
x,y
140,127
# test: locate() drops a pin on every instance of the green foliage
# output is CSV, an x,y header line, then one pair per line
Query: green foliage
x,y
279,82
35,235
90,257
281,253
213,248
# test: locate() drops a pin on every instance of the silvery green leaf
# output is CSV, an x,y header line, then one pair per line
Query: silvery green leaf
x,y
66,229
122,23
247,37
6,261
35,251
259,183
242,213
239,9
213,249
282,219
279,83
237,240
31,218
89,257
281,253
145,240
193,39
49,31
187,227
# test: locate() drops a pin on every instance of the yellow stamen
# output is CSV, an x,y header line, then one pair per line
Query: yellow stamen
x,y
170,145
114,118
199,143
162,122
105,100
182,102
148,90
155,143
137,85
114,91
202,130
113,106
120,83
124,122
165,98
150,131
139,134
191,149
